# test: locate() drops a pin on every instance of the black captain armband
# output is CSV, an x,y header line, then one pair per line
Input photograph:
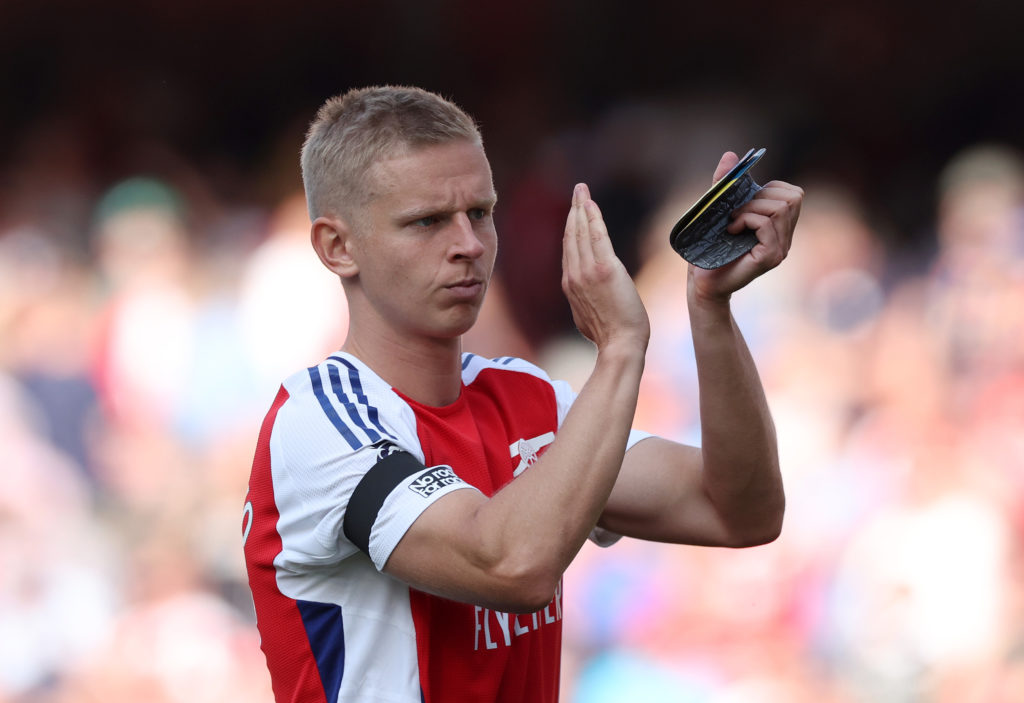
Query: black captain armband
x,y
393,466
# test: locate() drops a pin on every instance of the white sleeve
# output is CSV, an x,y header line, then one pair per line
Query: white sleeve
x,y
348,473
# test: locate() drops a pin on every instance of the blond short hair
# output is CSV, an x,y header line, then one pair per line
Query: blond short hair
x,y
355,130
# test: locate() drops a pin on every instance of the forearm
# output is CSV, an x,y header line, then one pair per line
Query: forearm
x,y
729,491
509,551
537,523
738,445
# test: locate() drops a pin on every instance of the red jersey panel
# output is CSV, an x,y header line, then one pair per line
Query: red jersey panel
x,y
466,652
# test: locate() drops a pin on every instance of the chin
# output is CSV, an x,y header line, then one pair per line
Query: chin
x,y
458,327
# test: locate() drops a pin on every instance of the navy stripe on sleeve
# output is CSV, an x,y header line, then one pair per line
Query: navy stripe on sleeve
x,y
357,388
372,490
332,414
350,408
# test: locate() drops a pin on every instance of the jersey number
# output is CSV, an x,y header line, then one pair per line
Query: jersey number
x,y
246,521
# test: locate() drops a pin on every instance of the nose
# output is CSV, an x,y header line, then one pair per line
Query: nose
x,y
465,243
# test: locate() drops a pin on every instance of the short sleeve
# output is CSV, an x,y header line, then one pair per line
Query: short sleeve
x,y
348,471
390,496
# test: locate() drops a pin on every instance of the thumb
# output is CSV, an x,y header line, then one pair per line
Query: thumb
x,y
728,160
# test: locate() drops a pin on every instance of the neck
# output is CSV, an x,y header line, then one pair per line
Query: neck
x,y
427,370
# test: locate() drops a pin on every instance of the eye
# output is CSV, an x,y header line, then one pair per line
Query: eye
x,y
477,213
427,221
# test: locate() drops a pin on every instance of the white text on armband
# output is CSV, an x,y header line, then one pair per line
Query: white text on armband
x,y
493,628
434,479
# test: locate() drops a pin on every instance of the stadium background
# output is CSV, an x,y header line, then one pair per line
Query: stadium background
x,y
155,285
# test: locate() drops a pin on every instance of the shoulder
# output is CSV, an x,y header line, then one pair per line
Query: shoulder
x,y
343,400
515,378
474,364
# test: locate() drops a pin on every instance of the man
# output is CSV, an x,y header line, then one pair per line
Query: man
x,y
412,507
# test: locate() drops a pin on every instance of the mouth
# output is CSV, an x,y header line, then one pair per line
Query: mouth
x,y
466,288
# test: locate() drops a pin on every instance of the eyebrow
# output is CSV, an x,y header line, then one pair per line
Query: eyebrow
x,y
417,212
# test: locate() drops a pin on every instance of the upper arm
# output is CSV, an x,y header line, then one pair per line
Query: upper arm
x,y
444,552
420,524
414,522
390,497
660,495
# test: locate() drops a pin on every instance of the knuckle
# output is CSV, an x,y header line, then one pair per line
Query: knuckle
x,y
600,273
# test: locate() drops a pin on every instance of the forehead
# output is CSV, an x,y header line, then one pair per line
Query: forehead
x,y
437,175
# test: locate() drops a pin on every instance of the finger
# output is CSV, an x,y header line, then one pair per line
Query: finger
x,y
777,213
584,236
601,243
783,212
778,190
728,160
785,198
761,206
782,186
570,242
753,221
771,248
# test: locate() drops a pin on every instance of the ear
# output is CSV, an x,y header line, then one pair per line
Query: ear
x,y
333,241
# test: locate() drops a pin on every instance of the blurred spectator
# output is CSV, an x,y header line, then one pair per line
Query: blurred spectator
x,y
279,335
174,641
131,387
47,324
144,258
57,596
977,284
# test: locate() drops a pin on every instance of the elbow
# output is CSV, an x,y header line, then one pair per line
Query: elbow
x,y
530,603
524,588
764,528
757,538
530,595
754,537
514,576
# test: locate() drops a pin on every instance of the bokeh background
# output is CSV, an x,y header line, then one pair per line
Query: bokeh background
x,y
156,284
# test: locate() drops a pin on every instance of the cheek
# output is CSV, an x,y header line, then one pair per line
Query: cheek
x,y
391,267
491,244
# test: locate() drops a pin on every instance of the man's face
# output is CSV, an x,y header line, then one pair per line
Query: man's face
x,y
425,242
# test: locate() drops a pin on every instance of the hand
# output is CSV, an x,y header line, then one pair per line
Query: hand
x,y
605,304
772,215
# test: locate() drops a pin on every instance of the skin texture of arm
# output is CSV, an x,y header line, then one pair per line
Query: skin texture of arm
x,y
727,493
509,551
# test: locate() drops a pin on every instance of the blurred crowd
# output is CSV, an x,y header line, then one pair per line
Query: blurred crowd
x,y
145,327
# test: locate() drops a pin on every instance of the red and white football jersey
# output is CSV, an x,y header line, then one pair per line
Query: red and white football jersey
x,y
344,465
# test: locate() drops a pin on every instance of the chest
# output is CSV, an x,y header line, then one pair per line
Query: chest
x,y
501,424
